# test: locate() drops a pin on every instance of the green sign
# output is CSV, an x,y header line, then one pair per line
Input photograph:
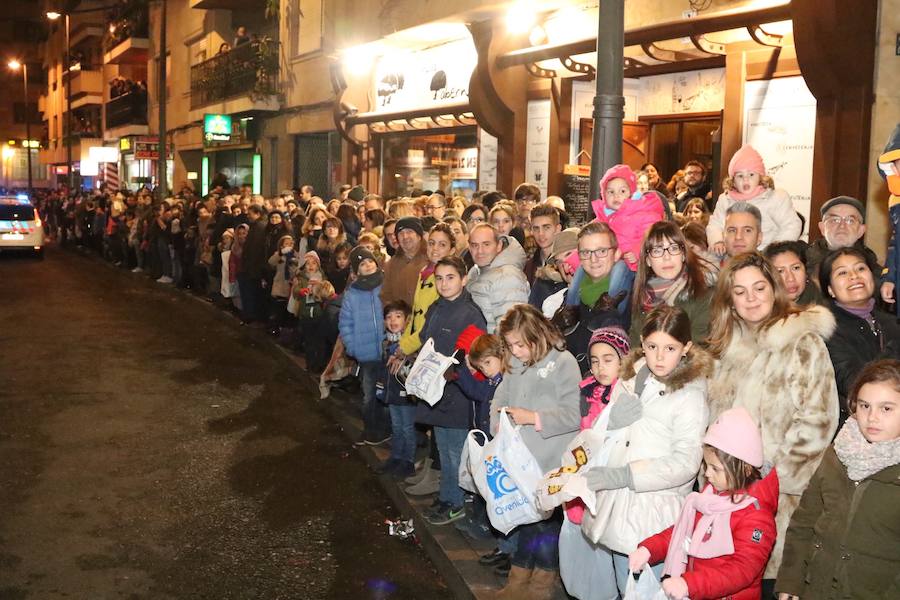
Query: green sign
x,y
217,128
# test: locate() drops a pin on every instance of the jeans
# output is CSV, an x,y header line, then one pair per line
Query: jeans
x,y
538,546
165,259
376,423
450,442
621,278
403,424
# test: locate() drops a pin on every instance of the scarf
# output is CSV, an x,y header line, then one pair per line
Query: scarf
x,y
742,197
663,291
287,264
597,400
369,282
864,313
862,458
712,535
427,271
591,290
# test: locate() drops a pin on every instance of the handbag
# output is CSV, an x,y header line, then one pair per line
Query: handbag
x,y
426,378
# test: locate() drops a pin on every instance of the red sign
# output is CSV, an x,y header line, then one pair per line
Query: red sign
x,y
61,170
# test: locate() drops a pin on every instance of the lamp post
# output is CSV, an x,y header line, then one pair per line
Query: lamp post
x,y
15,66
53,15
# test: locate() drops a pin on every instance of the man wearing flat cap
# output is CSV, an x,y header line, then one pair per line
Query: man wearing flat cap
x,y
843,225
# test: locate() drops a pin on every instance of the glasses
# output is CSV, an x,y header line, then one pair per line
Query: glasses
x,y
849,221
595,253
672,249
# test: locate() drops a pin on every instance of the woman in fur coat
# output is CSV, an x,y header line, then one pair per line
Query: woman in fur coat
x,y
772,360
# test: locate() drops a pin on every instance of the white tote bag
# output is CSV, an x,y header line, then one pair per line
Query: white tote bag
x,y
647,587
426,378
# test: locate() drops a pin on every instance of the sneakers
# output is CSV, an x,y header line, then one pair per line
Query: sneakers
x,y
492,559
421,473
446,514
429,484
402,470
137,270
472,529
165,279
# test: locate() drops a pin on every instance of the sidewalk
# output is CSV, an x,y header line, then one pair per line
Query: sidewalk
x,y
454,555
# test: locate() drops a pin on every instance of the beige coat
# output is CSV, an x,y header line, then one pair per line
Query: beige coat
x,y
784,378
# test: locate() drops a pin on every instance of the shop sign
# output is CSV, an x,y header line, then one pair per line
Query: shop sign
x,y
217,128
124,144
61,170
464,163
425,78
147,148
237,132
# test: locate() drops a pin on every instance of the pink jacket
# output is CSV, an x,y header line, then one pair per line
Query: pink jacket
x,y
632,221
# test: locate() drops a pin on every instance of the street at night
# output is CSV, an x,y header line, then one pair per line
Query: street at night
x,y
152,449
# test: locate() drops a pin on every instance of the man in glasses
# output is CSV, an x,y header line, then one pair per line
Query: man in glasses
x,y
843,225
697,186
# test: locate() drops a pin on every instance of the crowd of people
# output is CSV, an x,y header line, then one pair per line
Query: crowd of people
x,y
754,378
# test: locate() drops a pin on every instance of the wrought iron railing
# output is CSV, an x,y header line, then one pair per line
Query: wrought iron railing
x,y
249,69
127,109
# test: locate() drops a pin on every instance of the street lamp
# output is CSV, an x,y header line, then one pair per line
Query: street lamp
x,y
15,66
53,15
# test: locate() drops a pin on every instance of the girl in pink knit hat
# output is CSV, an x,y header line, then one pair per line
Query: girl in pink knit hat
x,y
747,182
721,542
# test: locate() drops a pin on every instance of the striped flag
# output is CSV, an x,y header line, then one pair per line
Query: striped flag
x,y
111,176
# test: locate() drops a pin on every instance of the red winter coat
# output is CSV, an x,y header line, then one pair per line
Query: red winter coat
x,y
736,576
632,221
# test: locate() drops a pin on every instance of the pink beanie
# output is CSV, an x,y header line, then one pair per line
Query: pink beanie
x,y
746,159
735,433
622,172
312,254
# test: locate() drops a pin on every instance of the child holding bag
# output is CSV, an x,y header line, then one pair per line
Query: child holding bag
x,y
722,540
661,398
451,416
843,540
539,392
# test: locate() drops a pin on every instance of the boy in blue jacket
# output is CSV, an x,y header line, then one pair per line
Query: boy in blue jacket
x,y
361,324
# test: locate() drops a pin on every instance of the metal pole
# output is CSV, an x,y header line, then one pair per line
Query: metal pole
x,y
609,103
161,168
68,75
27,126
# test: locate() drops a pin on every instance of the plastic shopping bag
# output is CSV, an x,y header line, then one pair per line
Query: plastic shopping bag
x,y
589,449
506,475
426,378
471,454
647,587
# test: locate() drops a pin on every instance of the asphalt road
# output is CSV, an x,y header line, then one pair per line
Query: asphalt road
x,y
150,448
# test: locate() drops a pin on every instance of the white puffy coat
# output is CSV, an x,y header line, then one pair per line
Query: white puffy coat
x,y
779,218
664,450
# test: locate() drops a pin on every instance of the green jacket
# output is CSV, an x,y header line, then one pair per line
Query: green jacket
x,y
696,308
844,538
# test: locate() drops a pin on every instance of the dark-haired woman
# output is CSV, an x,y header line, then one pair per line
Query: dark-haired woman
x,y
789,260
863,332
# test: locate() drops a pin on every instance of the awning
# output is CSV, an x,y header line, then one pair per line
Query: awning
x,y
447,115
704,54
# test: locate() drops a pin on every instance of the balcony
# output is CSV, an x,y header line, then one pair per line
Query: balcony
x,y
126,115
82,31
126,40
87,88
244,78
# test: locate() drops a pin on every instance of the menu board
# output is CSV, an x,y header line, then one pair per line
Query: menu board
x,y
575,190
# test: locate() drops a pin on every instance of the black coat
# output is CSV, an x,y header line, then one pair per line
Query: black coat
x,y
854,344
254,262
444,322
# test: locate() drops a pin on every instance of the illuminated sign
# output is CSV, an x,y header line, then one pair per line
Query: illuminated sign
x,y
257,174
204,176
217,128
125,144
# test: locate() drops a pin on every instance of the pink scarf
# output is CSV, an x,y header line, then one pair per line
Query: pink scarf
x,y
742,197
712,535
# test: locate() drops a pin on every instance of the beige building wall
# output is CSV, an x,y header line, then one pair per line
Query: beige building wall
x,y
885,116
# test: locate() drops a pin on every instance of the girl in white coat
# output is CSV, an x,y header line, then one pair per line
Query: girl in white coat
x,y
747,182
660,399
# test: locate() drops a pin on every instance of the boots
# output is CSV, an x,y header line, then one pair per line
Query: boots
x,y
544,585
429,484
517,584
420,474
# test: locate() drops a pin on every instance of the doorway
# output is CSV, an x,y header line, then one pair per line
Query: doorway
x,y
674,140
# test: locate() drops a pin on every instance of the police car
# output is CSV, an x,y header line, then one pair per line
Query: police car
x,y
20,225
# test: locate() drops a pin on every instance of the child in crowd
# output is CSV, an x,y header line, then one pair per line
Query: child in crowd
x,y
338,269
747,182
719,546
540,393
661,398
309,271
843,540
361,325
332,236
445,320
284,261
228,287
401,463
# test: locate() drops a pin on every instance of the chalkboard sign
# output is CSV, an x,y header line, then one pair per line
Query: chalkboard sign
x,y
575,192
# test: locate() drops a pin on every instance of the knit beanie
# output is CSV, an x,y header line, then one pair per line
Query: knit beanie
x,y
356,193
312,254
747,159
621,172
359,254
614,337
735,433
409,223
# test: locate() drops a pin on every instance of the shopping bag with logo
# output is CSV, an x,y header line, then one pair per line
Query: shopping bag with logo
x,y
426,378
471,454
509,504
646,587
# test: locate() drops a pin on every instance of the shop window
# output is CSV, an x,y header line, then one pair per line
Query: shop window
x,y
676,141
447,161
